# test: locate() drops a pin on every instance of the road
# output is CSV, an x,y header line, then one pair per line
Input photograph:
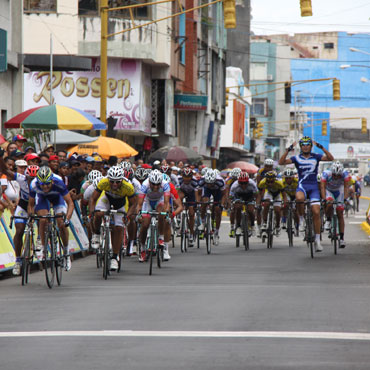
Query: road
x,y
261,309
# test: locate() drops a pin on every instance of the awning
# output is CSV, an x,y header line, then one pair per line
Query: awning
x,y
41,62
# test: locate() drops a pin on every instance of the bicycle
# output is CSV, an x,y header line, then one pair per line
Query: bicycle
x,y
208,228
334,228
28,248
290,222
269,232
244,224
198,222
152,245
106,252
309,231
184,229
54,258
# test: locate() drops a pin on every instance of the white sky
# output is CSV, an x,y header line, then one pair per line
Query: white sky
x,y
284,16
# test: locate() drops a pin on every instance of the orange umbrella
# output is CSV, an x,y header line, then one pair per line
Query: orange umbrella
x,y
106,147
244,166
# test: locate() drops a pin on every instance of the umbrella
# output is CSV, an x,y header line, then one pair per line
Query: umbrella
x,y
244,166
176,154
70,137
52,117
106,147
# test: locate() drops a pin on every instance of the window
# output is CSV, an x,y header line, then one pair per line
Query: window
x,y
40,5
182,37
259,107
258,71
329,45
91,7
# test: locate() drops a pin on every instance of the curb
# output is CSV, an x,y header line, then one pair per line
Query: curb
x,y
366,227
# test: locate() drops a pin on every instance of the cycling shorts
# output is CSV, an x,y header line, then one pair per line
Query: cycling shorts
x,y
103,204
20,212
57,201
310,191
337,195
277,198
217,194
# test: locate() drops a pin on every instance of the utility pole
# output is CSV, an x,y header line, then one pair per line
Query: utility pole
x,y
103,62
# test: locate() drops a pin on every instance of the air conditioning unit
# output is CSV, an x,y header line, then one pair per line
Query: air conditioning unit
x,y
270,77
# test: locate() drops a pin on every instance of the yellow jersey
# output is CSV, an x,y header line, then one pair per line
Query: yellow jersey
x,y
291,189
117,197
275,188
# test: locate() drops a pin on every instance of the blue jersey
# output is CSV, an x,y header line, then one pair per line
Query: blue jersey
x,y
307,168
58,188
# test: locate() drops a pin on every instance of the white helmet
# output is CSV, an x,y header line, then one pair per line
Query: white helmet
x,y
204,171
96,182
94,174
156,177
125,165
216,171
269,162
235,173
337,168
115,173
288,172
210,176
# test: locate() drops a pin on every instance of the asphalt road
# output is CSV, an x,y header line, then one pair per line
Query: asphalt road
x,y
261,309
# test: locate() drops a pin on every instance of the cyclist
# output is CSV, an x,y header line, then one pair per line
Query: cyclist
x,y
47,190
335,187
268,166
188,190
234,175
271,190
246,190
117,190
167,170
141,174
212,185
154,196
307,164
290,183
21,211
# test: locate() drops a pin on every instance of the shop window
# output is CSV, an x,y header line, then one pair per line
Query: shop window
x,y
36,6
91,7
259,107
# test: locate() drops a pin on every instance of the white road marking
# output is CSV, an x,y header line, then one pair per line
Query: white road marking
x,y
360,216
193,334
355,223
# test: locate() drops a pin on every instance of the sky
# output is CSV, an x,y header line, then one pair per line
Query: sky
x,y
284,16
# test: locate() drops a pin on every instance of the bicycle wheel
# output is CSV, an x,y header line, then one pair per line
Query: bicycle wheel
x,y
59,260
159,251
237,241
270,228
106,254
310,235
208,233
173,227
183,230
245,229
150,248
26,258
334,232
290,227
49,258
125,246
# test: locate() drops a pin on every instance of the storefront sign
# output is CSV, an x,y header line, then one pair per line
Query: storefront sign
x,y
190,102
126,99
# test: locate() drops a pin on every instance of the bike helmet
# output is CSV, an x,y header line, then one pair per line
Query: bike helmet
x,y
216,171
94,174
187,172
306,140
269,162
210,176
165,168
129,174
141,173
125,165
204,171
243,178
156,177
31,171
44,175
166,178
96,182
337,169
271,175
235,173
288,173
115,173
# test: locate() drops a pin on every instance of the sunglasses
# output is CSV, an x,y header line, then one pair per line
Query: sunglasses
x,y
46,184
306,144
115,181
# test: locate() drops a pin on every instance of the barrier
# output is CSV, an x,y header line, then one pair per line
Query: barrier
x,y
78,240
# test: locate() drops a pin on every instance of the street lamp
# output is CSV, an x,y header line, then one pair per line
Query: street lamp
x,y
345,66
359,51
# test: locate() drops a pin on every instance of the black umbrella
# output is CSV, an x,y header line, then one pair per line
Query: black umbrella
x,y
176,154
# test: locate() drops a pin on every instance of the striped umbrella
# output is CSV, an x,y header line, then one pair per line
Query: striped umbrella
x,y
53,117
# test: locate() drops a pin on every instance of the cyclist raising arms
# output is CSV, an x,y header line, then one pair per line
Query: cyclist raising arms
x,y
46,190
307,164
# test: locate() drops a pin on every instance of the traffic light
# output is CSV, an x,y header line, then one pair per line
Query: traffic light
x,y
259,129
229,14
336,89
363,125
306,8
252,122
227,97
324,127
288,93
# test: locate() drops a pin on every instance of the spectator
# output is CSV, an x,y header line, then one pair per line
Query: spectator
x,y
83,163
172,164
89,164
98,163
9,187
139,162
62,155
19,140
32,159
49,150
29,150
64,172
16,154
44,159
54,163
11,148
75,181
74,165
180,164
112,161
21,166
